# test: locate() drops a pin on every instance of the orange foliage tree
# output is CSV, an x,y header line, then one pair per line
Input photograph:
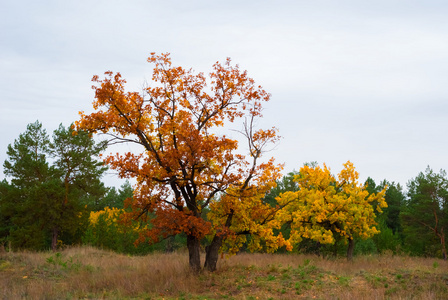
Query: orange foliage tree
x,y
187,165
326,208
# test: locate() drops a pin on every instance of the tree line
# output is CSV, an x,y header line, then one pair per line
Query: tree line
x,y
196,181
55,197
54,185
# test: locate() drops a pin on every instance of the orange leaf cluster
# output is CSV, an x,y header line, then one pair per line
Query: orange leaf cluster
x,y
186,162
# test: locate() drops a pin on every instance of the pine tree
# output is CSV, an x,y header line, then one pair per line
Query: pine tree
x,y
44,201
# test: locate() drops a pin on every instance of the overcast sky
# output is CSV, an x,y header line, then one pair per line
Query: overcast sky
x,y
365,81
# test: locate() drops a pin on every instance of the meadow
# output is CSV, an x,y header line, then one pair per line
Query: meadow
x,y
90,273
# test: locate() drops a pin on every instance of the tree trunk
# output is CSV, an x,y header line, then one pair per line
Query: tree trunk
x,y
212,253
351,248
442,241
193,246
54,239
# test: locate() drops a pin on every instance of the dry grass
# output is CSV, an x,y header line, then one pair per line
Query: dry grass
x,y
88,273
91,273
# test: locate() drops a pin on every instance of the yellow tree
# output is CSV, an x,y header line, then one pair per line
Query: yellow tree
x,y
327,207
187,160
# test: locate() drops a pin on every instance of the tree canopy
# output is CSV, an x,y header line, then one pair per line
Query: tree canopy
x,y
188,158
326,208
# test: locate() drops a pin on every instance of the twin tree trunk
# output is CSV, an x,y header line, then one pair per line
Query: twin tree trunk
x,y
211,251
211,254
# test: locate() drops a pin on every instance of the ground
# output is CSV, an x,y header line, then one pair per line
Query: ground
x,y
89,273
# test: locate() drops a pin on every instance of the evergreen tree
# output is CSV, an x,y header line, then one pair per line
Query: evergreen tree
x,y
425,215
395,199
114,198
44,201
27,165
389,223
79,170
286,184
6,210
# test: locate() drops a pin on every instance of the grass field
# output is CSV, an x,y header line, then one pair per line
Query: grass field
x,y
89,273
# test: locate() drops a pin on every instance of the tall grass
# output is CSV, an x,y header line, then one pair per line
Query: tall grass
x,y
89,273
86,272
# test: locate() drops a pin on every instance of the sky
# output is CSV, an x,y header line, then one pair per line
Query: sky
x,y
364,81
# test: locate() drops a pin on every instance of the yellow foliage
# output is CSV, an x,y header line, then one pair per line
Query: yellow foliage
x,y
326,207
112,216
249,215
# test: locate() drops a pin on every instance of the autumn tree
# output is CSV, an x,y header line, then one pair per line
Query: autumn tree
x,y
189,161
425,213
326,208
